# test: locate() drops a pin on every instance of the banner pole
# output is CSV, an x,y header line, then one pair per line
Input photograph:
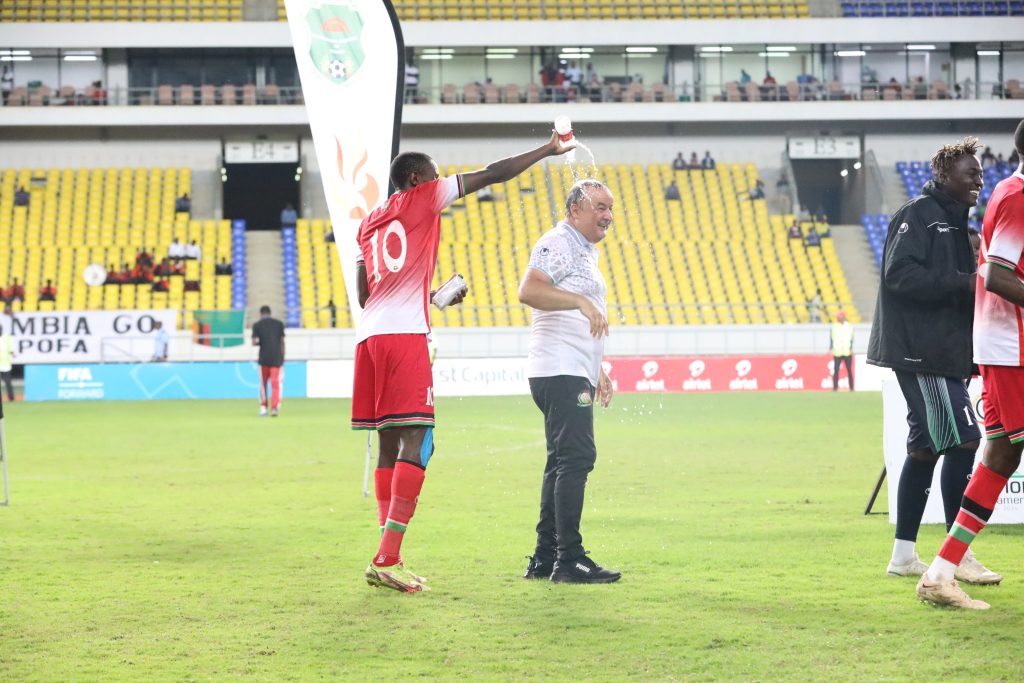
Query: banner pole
x,y
874,494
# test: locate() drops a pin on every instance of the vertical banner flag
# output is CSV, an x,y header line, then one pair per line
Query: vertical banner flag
x,y
351,61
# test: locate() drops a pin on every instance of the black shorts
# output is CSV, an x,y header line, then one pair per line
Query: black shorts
x,y
940,414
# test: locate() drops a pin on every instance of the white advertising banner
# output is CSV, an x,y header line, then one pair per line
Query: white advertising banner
x,y
1009,509
81,336
452,377
351,64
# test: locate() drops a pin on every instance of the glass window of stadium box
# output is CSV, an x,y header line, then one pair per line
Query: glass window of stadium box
x,y
773,72
212,76
537,74
51,76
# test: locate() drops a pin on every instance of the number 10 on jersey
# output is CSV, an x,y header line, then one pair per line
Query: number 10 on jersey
x,y
392,263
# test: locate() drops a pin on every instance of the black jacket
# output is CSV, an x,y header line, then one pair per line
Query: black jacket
x,y
925,306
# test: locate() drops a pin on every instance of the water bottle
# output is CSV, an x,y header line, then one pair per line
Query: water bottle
x,y
563,127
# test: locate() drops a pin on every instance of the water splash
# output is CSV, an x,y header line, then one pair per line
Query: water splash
x,y
580,168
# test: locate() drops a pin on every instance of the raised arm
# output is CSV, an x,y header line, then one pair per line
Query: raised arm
x,y
509,167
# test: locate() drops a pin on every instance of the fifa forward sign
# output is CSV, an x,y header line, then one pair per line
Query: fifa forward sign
x,y
351,64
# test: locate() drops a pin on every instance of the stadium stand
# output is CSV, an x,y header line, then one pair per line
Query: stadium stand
x,y
410,10
78,217
321,282
869,8
711,257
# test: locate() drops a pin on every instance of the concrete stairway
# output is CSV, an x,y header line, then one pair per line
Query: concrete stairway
x,y
266,271
858,263
894,195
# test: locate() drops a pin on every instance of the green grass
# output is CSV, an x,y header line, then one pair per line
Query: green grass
x,y
193,541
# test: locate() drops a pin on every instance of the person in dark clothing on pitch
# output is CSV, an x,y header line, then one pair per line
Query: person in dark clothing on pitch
x,y
922,330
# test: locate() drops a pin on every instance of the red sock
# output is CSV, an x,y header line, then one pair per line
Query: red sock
x,y
979,500
382,487
405,491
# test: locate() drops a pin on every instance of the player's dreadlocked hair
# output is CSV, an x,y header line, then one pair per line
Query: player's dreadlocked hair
x,y
578,192
943,160
404,165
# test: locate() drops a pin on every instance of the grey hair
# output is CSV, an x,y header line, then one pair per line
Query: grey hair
x,y
578,192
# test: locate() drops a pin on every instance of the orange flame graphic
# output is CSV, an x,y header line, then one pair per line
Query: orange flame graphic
x,y
363,182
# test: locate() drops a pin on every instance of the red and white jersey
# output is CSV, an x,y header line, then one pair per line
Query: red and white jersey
x,y
398,246
998,324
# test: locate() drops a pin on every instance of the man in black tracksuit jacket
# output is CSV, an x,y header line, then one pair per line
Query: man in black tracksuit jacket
x,y
922,330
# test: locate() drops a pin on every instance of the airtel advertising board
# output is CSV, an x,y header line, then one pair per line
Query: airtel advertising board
x,y
676,374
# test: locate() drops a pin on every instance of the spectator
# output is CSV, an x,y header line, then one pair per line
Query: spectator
x,y
757,191
113,276
176,250
143,258
21,196
99,95
412,83
183,204
679,163
708,162
794,231
163,269
6,84
694,161
574,75
193,252
744,77
988,159
141,274
592,80
1000,161
7,362
161,285
1014,159
333,311
672,192
224,267
161,340
814,305
813,239
191,286
48,292
15,292
920,88
126,274
894,85
769,79
329,236
289,217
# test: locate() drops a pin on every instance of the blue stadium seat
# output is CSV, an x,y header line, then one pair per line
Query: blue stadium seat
x,y
896,9
1017,8
946,9
998,8
872,9
971,9
850,9
922,9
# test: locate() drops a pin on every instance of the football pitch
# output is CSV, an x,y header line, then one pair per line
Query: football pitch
x,y
194,541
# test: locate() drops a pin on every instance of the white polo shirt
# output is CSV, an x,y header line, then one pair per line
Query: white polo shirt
x,y
560,341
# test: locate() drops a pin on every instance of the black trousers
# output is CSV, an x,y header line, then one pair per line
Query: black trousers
x,y
568,406
5,377
836,361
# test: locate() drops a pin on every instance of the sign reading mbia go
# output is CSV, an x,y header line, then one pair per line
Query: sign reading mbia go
x,y
677,374
78,336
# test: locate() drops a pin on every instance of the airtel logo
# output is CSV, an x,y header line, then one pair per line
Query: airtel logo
x,y
607,367
696,368
743,368
650,368
789,366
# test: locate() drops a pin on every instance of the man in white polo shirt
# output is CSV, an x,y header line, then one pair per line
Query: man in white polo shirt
x,y
566,291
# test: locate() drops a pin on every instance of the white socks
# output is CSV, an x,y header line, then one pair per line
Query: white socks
x,y
902,552
941,570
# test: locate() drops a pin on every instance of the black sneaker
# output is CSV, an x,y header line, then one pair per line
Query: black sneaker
x,y
582,570
538,569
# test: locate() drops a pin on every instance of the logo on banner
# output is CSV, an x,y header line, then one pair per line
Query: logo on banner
x,y
77,383
695,381
649,383
788,381
336,41
741,382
